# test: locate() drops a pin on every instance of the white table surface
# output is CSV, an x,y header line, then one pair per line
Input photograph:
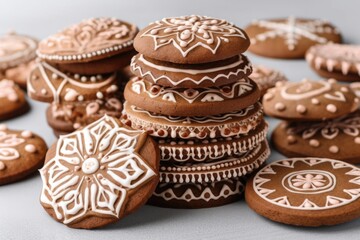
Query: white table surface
x,y
21,215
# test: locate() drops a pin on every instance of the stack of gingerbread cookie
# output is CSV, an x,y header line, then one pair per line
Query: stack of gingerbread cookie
x,y
193,94
77,72
320,119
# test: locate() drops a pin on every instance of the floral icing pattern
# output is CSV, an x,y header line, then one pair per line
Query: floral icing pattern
x,y
93,170
313,188
291,30
189,32
89,38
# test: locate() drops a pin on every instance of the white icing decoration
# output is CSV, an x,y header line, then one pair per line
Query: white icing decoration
x,y
305,90
292,30
266,77
190,32
74,194
7,90
8,144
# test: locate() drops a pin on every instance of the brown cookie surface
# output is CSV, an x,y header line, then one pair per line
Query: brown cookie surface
x,y
12,100
98,175
310,100
16,49
338,61
226,125
20,73
191,40
337,138
306,192
191,101
289,37
190,195
191,75
47,84
21,154
266,77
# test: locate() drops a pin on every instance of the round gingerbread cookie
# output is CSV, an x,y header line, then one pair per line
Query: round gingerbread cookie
x,y
226,125
306,192
266,77
47,84
210,150
99,174
16,49
96,45
289,37
12,100
329,139
227,168
191,75
191,101
20,73
72,116
196,195
191,40
310,100
338,61
21,154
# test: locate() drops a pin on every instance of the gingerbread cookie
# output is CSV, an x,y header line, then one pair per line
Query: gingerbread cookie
x,y
191,75
12,100
227,168
69,117
330,139
20,73
21,154
48,84
93,46
226,125
209,150
191,101
197,195
191,40
310,100
289,37
356,88
338,61
306,192
266,78
16,49
99,174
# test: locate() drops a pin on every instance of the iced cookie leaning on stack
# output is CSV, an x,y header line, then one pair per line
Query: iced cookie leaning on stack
x,y
78,76
193,94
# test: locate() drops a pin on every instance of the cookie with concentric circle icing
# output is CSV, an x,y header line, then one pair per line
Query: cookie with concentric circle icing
x,y
93,46
98,175
191,40
174,101
339,61
216,126
21,154
306,192
12,100
310,100
196,195
266,77
289,37
191,75
336,138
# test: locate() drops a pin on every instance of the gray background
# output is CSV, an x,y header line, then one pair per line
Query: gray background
x,y
22,217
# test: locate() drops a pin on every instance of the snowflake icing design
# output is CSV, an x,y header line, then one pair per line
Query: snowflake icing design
x,y
92,171
292,30
189,32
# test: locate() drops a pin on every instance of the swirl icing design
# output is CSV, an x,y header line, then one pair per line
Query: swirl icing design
x,y
244,70
313,188
7,90
90,38
93,170
189,32
58,86
191,95
334,56
292,30
8,143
